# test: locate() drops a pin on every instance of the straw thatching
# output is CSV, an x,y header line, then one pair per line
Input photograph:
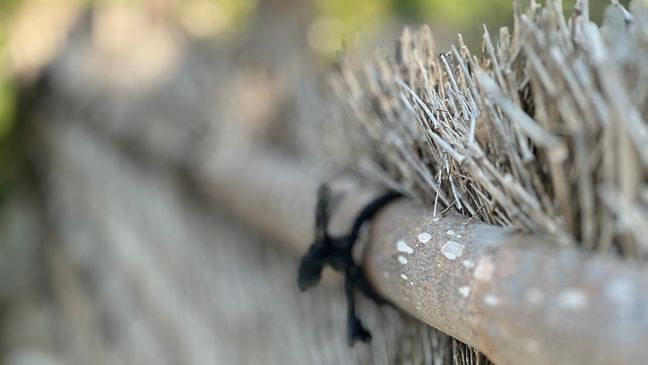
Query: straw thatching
x,y
545,130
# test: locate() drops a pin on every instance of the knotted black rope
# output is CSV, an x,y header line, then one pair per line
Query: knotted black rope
x,y
338,253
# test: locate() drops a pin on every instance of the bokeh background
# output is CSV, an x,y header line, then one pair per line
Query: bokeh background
x,y
109,113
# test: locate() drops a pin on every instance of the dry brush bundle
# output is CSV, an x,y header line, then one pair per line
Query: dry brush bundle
x,y
545,131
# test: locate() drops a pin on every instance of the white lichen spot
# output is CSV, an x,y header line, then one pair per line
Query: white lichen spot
x,y
411,283
465,291
535,296
424,237
402,260
491,300
404,277
401,246
573,299
451,250
451,233
468,264
485,268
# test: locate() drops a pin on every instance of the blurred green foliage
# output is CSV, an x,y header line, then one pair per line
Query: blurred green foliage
x,y
7,100
214,18
462,12
7,9
469,12
457,16
464,16
354,15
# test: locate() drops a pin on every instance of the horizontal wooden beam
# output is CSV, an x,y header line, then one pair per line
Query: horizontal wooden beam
x,y
517,298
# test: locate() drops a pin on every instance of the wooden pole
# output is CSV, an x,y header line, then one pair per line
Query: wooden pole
x,y
517,298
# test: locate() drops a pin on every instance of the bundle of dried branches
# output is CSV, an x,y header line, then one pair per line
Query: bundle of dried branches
x,y
544,131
